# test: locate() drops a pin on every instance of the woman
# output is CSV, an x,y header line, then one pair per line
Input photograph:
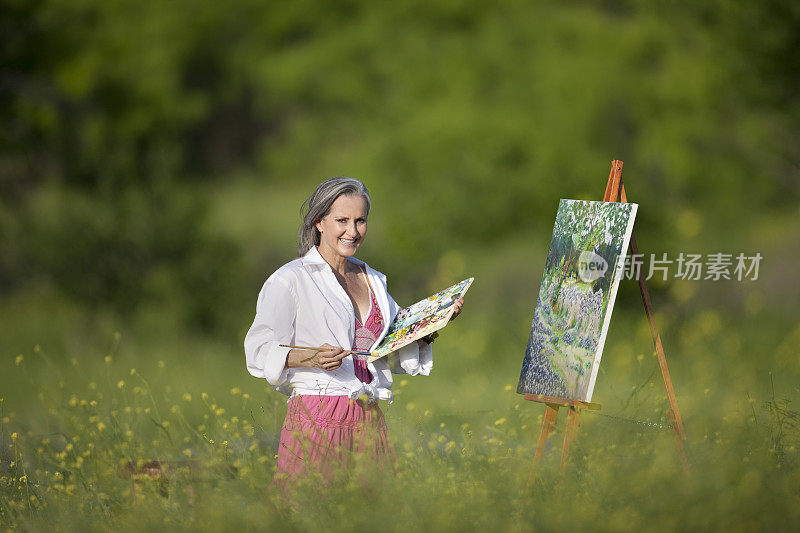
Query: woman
x,y
330,299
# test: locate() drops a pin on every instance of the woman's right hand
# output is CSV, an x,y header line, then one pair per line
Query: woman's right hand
x,y
329,358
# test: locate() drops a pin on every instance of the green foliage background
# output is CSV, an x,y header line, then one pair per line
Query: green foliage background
x,y
154,155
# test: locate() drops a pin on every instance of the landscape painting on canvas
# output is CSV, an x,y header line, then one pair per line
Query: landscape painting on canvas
x,y
421,319
573,310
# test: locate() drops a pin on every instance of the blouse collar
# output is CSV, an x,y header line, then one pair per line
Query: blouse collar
x,y
314,258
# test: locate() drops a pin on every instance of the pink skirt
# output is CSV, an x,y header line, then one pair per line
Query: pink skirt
x,y
328,434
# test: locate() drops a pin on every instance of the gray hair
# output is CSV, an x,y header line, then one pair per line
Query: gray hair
x,y
319,205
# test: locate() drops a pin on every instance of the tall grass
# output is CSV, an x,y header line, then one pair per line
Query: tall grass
x,y
72,430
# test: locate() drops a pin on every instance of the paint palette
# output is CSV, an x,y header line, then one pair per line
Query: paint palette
x,y
421,319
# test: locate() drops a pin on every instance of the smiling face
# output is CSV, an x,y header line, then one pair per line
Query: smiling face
x,y
343,229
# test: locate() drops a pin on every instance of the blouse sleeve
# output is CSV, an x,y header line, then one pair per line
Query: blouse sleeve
x,y
411,359
273,325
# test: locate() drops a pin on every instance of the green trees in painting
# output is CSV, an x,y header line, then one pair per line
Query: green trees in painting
x,y
585,226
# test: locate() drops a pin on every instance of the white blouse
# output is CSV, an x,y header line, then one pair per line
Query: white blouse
x,y
303,304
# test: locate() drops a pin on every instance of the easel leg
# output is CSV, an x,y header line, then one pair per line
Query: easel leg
x,y
573,419
674,412
548,424
615,189
679,444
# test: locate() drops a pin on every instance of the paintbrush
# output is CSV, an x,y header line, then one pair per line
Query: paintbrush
x,y
321,349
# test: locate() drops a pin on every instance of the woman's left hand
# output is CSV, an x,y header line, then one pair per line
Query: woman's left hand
x,y
457,308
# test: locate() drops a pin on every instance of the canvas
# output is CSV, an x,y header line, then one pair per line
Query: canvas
x,y
573,310
420,319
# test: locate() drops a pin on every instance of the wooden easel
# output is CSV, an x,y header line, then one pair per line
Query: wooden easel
x,y
615,191
552,404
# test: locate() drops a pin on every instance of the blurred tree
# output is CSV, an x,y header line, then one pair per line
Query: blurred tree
x,y
469,120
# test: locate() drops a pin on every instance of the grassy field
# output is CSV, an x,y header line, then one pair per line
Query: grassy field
x,y
84,395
